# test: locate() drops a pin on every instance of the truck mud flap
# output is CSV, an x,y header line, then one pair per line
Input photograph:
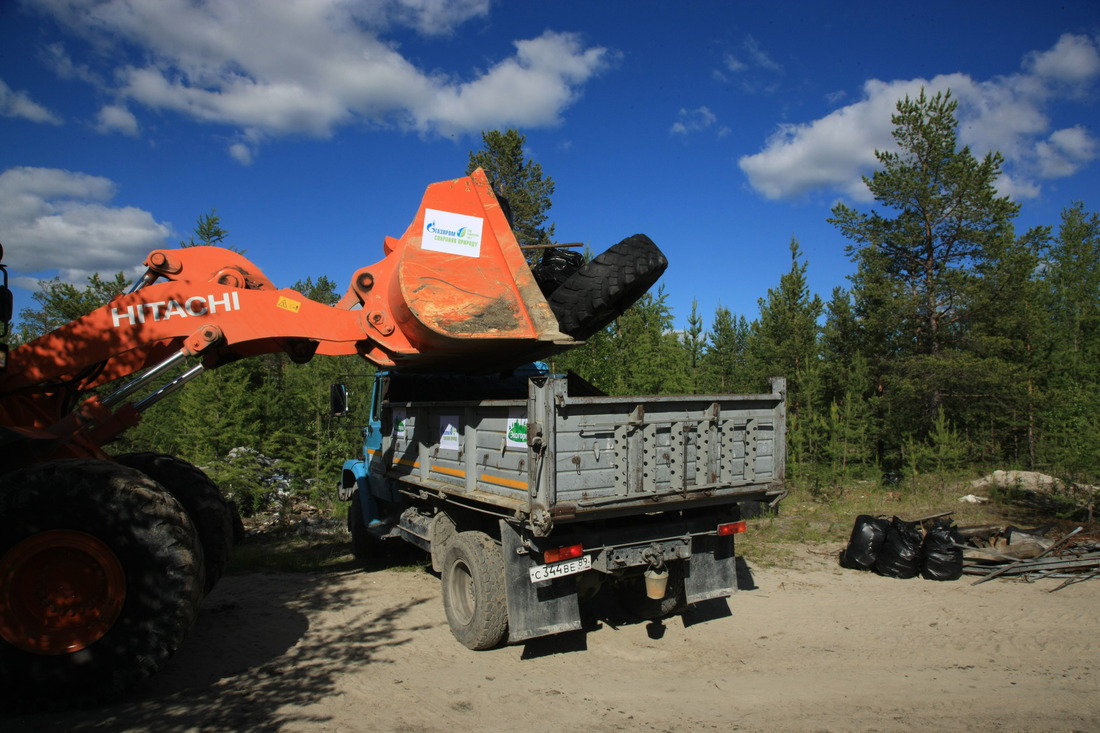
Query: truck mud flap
x,y
535,609
712,571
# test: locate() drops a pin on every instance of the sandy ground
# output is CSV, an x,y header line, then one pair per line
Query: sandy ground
x,y
816,648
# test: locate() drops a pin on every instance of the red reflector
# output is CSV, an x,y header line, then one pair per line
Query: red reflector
x,y
563,553
732,528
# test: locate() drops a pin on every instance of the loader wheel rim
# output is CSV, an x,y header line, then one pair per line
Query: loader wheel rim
x,y
60,591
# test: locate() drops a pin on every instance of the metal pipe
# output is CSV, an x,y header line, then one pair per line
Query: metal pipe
x,y
147,279
169,388
135,384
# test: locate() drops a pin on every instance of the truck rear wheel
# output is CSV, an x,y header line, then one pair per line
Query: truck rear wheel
x,y
100,578
203,500
602,289
473,590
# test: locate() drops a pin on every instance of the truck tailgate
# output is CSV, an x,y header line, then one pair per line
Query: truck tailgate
x,y
616,454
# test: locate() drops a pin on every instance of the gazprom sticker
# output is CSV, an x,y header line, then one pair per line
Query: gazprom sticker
x,y
449,437
517,430
455,234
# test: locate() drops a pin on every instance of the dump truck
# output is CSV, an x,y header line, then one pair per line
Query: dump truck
x,y
104,559
535,493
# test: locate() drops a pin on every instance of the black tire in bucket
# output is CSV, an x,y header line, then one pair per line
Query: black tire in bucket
x,y
602,289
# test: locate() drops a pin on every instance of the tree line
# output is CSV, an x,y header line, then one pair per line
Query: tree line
x,y
959,342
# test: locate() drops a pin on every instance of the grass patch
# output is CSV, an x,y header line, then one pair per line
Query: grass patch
x,y
806,518
285,551
315,547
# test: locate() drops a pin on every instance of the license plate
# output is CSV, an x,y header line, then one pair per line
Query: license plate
x,y
540,573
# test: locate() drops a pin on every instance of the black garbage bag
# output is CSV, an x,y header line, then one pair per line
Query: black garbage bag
x,y
555,267
900,556
943,558
863,547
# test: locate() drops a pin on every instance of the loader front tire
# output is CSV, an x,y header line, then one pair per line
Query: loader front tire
x,y
473,590
205,504
603,288
101,576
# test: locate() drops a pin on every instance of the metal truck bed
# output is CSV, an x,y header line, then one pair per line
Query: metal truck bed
x,y
561,458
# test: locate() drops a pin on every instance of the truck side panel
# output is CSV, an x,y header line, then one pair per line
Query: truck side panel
x,y
602,454
461,448
615,453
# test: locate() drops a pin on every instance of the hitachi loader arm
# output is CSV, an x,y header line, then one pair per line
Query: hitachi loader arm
x,y
455,288
454,292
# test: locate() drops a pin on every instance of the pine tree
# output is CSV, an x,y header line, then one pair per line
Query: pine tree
x,y
695,340
209,232
520,182
60,302
848,391
934,278
301,431
784,341
650,358
638,354
595,360
724,361
1070,347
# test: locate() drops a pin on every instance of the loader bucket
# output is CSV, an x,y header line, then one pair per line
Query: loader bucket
x,y
455,286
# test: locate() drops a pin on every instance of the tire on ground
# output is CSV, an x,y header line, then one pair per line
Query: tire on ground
x,y
205,504
139,590
605,287
473,590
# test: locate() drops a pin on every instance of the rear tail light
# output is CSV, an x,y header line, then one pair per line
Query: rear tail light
x,y
562,553
732,528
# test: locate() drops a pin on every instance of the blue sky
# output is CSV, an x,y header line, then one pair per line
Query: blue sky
x,y
720,129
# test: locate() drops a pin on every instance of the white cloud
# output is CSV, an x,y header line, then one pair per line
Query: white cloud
x,y
744,68
734,64
695,120
60,220
113,118
241,153
1009,114
528,90
57,58
751,56
1063,153
1073,61
830,153
280,67
432,17
19,104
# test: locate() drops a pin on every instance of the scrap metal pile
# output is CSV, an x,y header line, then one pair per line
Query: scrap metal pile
x,y
934,548
996,552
